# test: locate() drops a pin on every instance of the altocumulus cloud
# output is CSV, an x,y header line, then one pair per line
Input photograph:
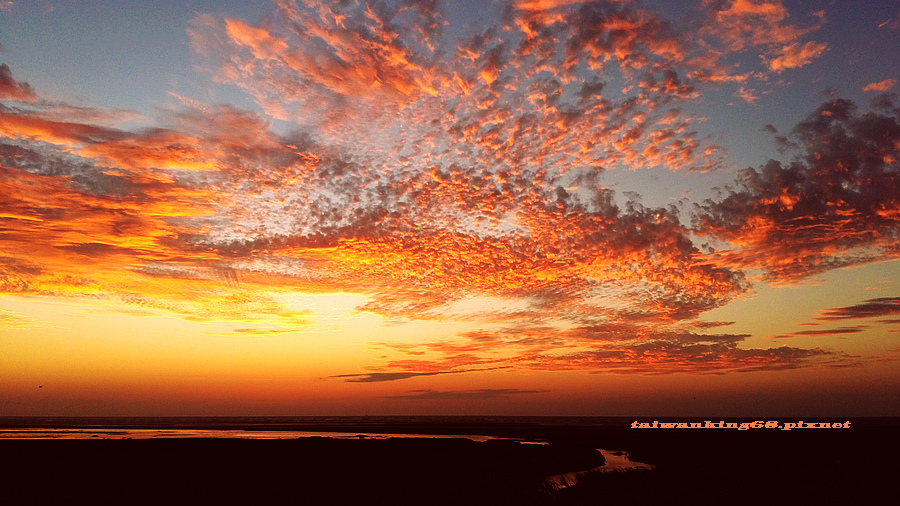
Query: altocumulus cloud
x,y
431,167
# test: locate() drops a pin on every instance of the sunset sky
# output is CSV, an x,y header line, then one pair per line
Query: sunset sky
x,y
535,207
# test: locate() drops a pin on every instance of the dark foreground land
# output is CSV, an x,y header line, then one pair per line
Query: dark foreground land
x,y
304,471
810,466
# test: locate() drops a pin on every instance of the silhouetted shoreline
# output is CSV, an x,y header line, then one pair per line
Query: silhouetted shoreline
x,y
705,466
318,470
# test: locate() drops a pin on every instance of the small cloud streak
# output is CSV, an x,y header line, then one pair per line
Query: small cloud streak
x,y
10,320
262,332
881,85
871,308
823,332
452,395
747,95
377,377
891,23
796,55
882,306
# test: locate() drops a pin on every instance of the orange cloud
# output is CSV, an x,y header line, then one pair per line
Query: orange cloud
x,y
349,57
428,171
33,126
762,25
544,4
881,85
796,55
746,95
625,348
353,84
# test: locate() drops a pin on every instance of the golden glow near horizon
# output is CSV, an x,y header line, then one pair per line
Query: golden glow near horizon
x,y
416,211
